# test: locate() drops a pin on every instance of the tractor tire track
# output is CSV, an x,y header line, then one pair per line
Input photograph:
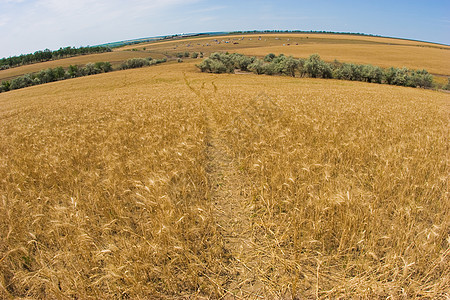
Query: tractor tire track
x,y
231,211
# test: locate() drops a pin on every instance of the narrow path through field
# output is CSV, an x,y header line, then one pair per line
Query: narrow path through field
x,y
231,209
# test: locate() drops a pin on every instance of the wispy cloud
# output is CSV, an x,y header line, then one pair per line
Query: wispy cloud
x,y
36,24
29,25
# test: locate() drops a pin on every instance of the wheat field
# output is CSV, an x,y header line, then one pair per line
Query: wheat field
x,y
115,58
168,183
383,52
379,51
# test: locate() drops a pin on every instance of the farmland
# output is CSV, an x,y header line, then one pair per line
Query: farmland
x,y
165,182
383,52
115,58
378,51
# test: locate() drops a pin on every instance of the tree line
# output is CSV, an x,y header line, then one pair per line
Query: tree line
x,y
73,71
314,67
303,31
47,54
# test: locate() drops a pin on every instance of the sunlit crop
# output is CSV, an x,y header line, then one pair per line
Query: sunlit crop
x,y
165,182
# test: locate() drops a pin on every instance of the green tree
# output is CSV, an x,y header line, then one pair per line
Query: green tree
x,y
73,71
269,57
257,67
205,65
6,86
59,73
289,66
316,68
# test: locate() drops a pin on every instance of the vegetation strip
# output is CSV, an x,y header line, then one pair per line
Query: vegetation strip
x,y
47,54
57,74
314,67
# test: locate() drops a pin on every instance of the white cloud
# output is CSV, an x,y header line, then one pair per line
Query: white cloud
x,y
11,1
38,24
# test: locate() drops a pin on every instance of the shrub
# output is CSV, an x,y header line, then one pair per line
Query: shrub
x,y
269,69
218,63
104,67
21,82
257,67
269,57
73,71
205,65
89,69
133,63
59,73
5,86
159,61
314,67
241,61
421,78
371,73
218,67
317,68
389,75
289,65
194,55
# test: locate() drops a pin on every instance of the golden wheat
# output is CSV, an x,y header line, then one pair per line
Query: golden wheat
x,y
115,58
384,52
164,182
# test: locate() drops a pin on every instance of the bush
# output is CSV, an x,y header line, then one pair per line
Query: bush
x,y
59,73
257,67
218,63
371,73
401,77
421,78
73,71
194,55
5,86
269,57
21,82
205,65
349,72
316,68
241,61
133,63
104,67
89,69
218,67
288,66
268,69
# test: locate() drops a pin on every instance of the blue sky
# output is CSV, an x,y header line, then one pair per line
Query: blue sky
x,y
30,25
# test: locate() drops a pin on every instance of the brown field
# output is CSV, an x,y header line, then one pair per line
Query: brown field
x,y
297,37
115,58
384,52
166,183
435,61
